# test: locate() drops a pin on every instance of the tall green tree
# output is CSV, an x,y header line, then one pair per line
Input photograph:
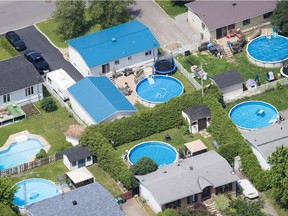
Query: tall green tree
x,y
280,16
144,166
279,174
6,191
243,207
109,13
69,16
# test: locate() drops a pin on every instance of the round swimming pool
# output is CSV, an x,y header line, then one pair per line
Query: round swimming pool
x,y
34,190
268,51
161,153
158,89
253,115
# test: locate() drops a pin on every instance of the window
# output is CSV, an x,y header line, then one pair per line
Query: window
x,y
49,80
29,91
267,15
192,199
203,26
194,123
174,204
89,159
6,98
117,62
148,53
74,163
129,57
246,22
224,188
232,26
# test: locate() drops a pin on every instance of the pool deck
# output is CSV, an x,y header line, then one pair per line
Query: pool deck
x,y
24,135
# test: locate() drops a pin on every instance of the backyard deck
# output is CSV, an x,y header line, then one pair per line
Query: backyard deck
x,y
10,114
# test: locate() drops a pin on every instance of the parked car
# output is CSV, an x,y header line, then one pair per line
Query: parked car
x,y
247,189
37,60
15,40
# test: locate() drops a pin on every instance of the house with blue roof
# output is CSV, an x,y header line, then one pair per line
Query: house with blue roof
x,y
123,46
97,99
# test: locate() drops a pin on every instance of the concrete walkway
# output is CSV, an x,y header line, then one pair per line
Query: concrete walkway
x,y
132,208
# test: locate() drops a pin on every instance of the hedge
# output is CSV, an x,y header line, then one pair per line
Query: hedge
x,y
4,43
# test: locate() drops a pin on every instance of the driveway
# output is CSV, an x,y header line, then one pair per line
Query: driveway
x,y
163,27
36,41
132,208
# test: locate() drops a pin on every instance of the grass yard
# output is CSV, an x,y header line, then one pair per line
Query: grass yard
x,y
172,8
214,66
4,54
6,49
49,125
280,211
104,179
178,140
186,84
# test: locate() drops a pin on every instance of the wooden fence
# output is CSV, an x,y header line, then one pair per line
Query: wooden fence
x,y
30,165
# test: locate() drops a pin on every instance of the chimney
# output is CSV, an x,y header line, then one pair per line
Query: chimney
x,y
234,4
74,202
190,167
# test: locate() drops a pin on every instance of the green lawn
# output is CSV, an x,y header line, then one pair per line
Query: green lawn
x,y
178,140
104,179
214,66
4,54
172,8
186,84
49,125
280,211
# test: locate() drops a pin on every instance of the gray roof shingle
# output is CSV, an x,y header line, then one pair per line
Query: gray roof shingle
x,y
197,112
77,153
92,200
227,79
191,176
216,14
17,73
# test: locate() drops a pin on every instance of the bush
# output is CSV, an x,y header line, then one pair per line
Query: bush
x,y
221,202
4,43
41,154
144,166
49,105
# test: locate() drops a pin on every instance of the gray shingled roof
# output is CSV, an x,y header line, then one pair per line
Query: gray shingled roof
x,y
92,200
17,73
197,112
77,153
268,138
216,14
191,176
227,79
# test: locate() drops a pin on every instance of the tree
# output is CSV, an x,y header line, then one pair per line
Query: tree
x,y
69,16
6,191
109,13
144,166
48,104
279,174
41,154
240,207
280,16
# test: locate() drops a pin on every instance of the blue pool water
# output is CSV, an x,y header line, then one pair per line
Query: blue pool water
x,y
19,153
272,49
253,115
36,190
162,90
161,153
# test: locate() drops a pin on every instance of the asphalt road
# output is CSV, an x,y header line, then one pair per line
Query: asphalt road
x,y
36,41
19,14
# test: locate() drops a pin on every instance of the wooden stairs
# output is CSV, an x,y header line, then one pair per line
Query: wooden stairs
x,y
228,54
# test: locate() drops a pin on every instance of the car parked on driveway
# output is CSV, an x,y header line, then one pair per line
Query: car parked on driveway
x,y
15,40
247,189
37,60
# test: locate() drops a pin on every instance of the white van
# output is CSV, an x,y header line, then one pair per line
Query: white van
x,y
247,189
60,81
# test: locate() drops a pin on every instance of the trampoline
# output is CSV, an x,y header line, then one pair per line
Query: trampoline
x,y
164,66
284,71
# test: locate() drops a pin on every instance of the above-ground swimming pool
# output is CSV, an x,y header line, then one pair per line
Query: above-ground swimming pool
x,y
19,152
268,51
253,115
34,190
158,89
161,153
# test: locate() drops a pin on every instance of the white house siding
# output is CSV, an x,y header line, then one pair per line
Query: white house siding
x,y
21,99
119,115
66,162
196,22
80,111
149,199
88,163
77,61
232,91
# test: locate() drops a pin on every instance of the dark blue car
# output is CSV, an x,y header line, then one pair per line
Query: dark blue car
x,y
15,40
37,60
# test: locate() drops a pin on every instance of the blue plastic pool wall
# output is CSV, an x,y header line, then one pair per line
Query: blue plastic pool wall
x,y
260,63
152,104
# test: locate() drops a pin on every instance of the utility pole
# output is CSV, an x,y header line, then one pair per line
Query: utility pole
x,y
202,73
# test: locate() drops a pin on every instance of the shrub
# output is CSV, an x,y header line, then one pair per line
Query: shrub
x,y
49,105
221,202
144,166
41,154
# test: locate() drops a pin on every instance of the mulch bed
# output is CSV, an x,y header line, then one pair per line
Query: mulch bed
x,y
30,110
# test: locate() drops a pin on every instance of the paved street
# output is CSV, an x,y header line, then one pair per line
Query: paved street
x,y
36,41
18,14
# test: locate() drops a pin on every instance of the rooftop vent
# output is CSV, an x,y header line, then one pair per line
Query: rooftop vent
x,y
165,171
178,164
74,202
190,167
114,39
234,4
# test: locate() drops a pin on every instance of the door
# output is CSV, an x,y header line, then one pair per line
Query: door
x,y
105,68
221,32
81,163
202,124
206,193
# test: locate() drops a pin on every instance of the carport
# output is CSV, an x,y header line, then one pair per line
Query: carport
x,y
80,177
194,148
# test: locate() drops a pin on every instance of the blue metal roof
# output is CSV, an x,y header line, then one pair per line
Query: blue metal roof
x,y
100,97
114,43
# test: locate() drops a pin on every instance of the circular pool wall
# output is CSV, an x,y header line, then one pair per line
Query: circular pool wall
x,y
158,89
161,153
268,52
253,115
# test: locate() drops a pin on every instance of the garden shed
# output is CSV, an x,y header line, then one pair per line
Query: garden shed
x,y
198,117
